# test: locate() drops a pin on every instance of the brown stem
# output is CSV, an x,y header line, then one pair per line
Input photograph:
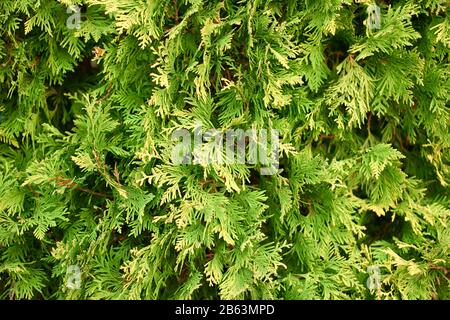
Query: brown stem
x,y
94,193
116,173
326,136
177,19
63,182
36,194
440,268
369,122
108,92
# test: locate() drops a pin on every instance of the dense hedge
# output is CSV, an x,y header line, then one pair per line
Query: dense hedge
x,y
94,203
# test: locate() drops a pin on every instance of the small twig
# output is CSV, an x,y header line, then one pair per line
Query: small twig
x,y
202,183
326,136
369,122
177,19
399,139
64,182
108,92
116,173
440,268
94,193
35,193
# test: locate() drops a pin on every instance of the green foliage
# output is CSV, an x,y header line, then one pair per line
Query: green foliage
x,y
87,179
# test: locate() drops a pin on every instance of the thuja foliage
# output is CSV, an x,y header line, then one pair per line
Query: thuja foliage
x,y
87,178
